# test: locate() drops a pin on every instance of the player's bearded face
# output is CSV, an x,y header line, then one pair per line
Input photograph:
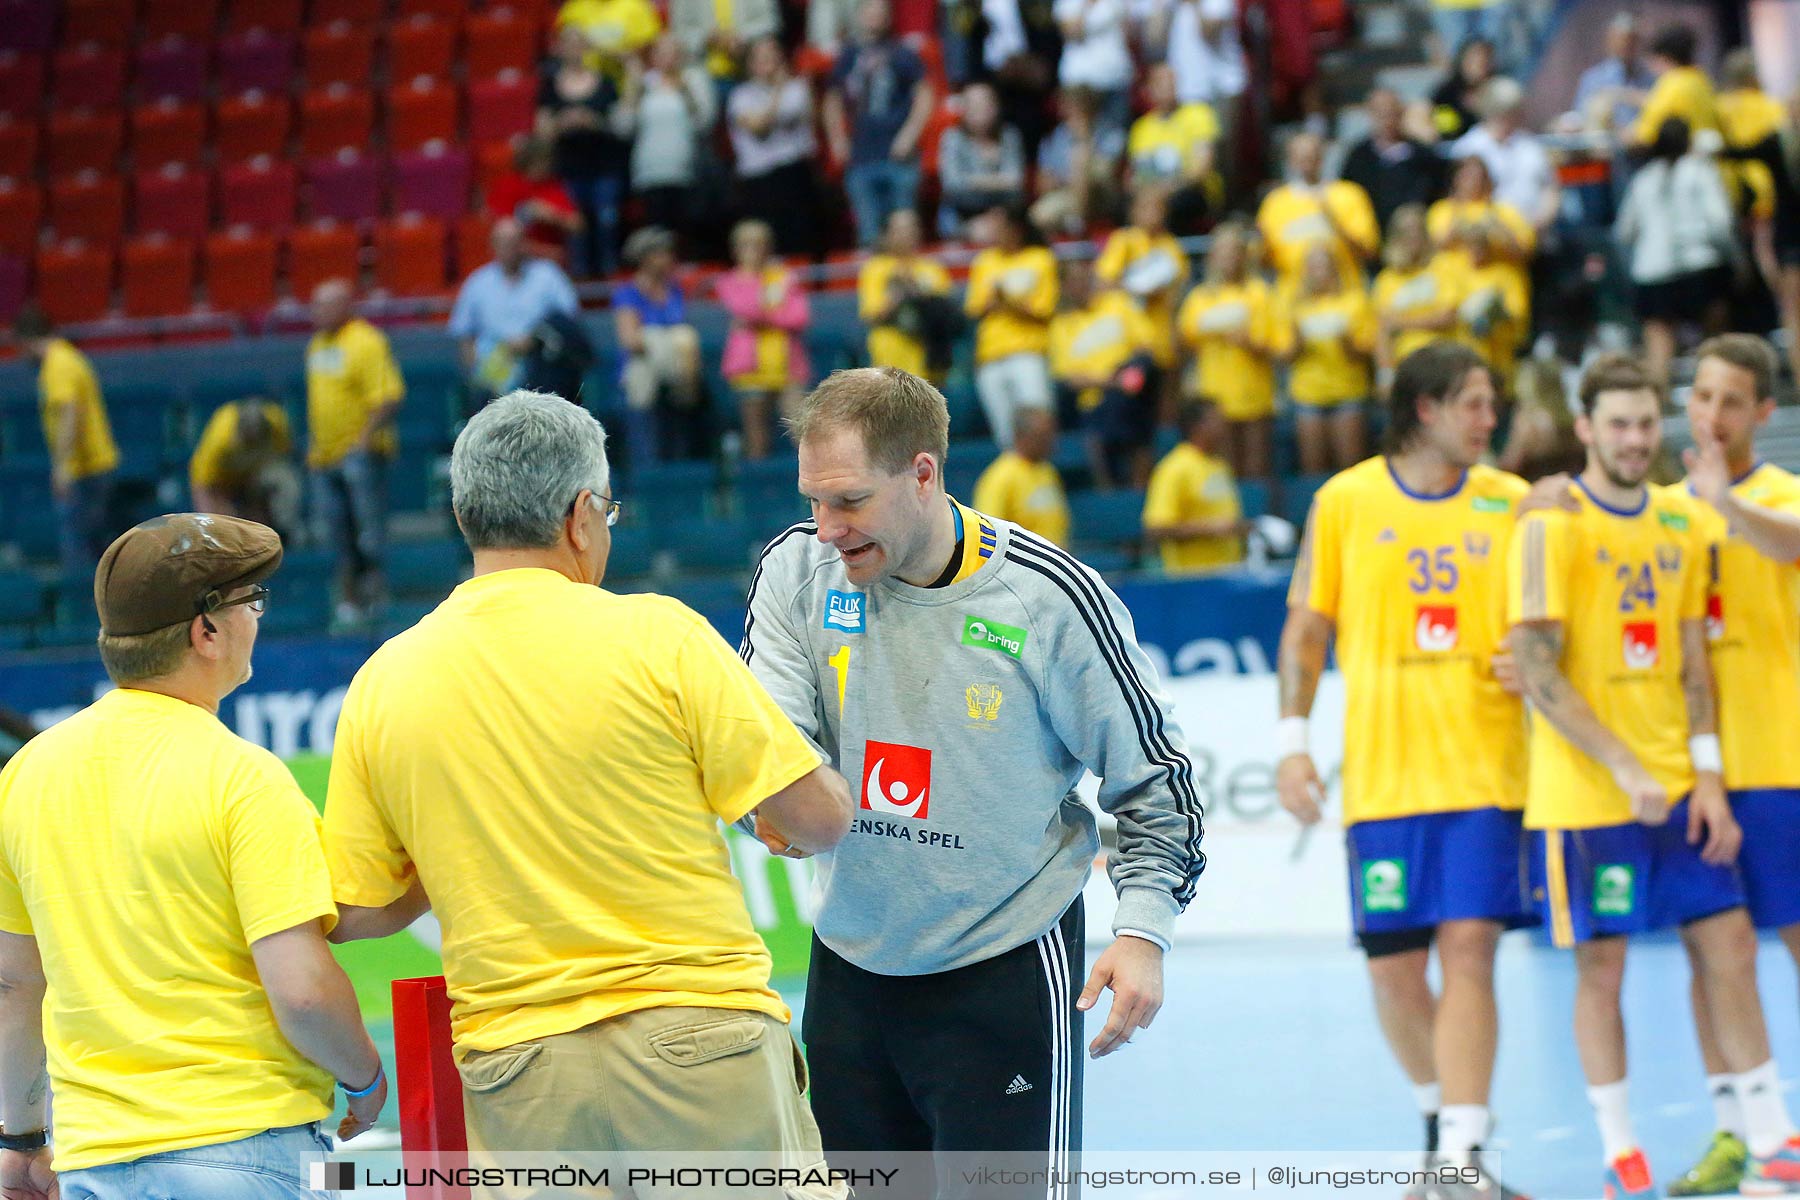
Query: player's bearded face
x,y
1623,435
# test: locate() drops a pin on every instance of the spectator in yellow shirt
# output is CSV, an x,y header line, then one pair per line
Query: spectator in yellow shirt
x,y
1176,146
1494,313
1415,298
617,29
1100,357
83,455
1146,262
1022,486
241,466
1331,338
1470,214
353,390
902,297
1192,513
1681,89
1230,326
1307,210
1012,298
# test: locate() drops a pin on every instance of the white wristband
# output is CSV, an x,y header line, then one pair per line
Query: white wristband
x,y
1703,748
1291,738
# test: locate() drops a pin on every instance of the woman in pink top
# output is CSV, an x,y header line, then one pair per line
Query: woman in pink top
x,y
765,357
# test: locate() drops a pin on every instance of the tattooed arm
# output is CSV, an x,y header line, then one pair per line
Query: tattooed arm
x,y
1709,809
1300,661
24,1086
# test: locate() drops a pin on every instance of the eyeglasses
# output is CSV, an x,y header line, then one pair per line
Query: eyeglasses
x,y
256,599
606,504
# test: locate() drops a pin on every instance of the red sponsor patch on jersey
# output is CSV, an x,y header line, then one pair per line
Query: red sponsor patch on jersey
x,y
1434,627
896,780
1640,645
1715,617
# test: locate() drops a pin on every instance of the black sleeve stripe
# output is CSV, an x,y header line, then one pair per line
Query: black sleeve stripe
x,y
1066,574
745,650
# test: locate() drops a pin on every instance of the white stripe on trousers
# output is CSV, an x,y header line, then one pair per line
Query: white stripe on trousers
x,y
1055,957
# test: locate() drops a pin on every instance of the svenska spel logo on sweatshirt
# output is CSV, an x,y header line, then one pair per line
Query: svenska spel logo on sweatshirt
x,y
896,780
844,611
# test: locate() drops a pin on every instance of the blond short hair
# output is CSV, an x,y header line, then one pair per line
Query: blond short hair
x,y
899,415
1747,352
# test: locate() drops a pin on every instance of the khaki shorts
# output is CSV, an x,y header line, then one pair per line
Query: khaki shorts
x,y
665,1080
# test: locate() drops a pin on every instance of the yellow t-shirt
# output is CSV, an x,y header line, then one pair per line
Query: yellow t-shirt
x,y
720,64
1189,485
1029,494
1240,381
553,762
145,846
1493,316
616,27
889,345
1620,584
1096,341
1167,148
219,461
1029,277
1683,92
66,381
349,375
1292,220
1447,215
772,345
1747,116
1753,631
1416,586
1429,291
1134,261
1325,370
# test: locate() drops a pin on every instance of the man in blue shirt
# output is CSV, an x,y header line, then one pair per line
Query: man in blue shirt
x,y
875,111
501,304
1621,79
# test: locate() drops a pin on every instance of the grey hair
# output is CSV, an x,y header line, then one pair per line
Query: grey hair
x,y
517,467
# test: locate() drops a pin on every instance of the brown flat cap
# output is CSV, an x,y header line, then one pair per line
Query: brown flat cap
x,y
161,572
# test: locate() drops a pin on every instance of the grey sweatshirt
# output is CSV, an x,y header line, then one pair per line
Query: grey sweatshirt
x,y
967,714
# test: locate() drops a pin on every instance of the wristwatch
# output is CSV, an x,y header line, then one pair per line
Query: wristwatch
x,y
24,1141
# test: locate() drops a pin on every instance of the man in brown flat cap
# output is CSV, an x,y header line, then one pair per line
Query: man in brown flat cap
x,y
162,881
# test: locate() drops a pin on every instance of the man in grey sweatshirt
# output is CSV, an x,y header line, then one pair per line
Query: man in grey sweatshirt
x,y
962,673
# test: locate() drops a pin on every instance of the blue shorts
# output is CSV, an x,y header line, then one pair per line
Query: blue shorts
x,y
1408,875
1624,879
1770,860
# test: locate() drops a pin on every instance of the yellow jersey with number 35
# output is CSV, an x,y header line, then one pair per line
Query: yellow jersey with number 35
x,y
1753,634
1416,585
1620,582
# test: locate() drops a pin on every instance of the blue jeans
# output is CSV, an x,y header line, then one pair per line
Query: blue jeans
x,y
84,524
597,245
350,512
877,189
264,1166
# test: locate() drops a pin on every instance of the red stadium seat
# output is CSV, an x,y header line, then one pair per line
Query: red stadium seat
x,y
354,12
421,112
196,20
156,276
102,22
174,201
240,270
251,126
21,216
276,16
491,162
27,26
21,84
410,258
500,39
74,282
434,183
345,187
88,77
168,133
322,251
422,45
501,109
443,10
84,141
261,194
15,274
338,118
18,147
257,60
173,68
474,245
339,53
89,207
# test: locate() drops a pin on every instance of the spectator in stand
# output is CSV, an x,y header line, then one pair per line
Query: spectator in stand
x,y
765,353
1176,145
615,29
1101,360
1517,161
670,111
79,437
1470,214
1495,312
831,25
1681,92
904,299
981,164
1020,53
719,34
1460,22
1619,83
1676,224
1761,138
500,304
1453,103
353,391
1307,210
1096,56
1012,298
772,140
1229,326
876,107
1391,167
1192,512
579,114
532,195
1144,261
659,355
1542,440
1415,297
1330,338
1022,486
1201,43
242,466
1078,166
